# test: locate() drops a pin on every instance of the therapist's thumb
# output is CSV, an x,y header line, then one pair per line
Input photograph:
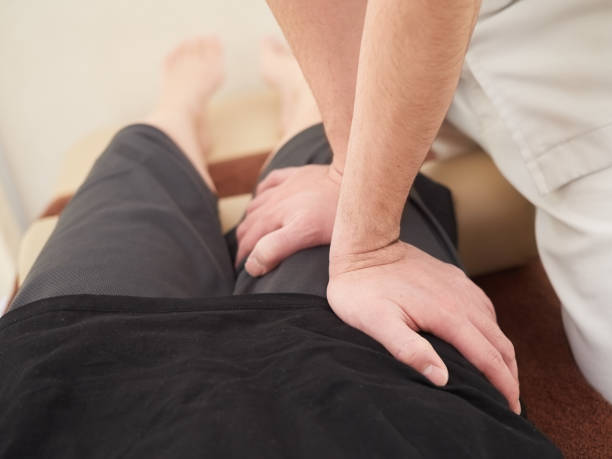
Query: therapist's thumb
x,y
273,248
407,346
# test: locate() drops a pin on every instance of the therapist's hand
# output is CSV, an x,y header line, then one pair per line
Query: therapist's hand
x,y
293,209
393,292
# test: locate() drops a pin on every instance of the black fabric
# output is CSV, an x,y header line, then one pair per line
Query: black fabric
x,y
249,376
181,369
439,201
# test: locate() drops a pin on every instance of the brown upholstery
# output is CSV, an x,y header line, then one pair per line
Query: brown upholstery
x,y
559,401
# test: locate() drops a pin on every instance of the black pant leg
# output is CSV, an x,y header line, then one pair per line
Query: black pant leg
x,y
142,224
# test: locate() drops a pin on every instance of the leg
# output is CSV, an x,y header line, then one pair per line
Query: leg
x,y
574,236
282,72
192,73
325,38
145,222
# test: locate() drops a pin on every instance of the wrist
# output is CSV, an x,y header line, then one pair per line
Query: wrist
x,y
345,261
336,168
351,239
365,221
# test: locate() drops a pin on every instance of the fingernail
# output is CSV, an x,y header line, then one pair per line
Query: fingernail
x,y
436,375
517,407
254,268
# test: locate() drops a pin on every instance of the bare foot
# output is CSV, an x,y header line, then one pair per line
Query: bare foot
x,y
193,71
281,71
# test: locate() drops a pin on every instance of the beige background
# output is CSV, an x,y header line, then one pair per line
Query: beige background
x,y
71,66
9,238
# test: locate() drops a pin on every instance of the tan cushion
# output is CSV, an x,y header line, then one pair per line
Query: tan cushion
x,y
231,210
495,223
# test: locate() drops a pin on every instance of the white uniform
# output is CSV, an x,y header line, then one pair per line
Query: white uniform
x,y
536,94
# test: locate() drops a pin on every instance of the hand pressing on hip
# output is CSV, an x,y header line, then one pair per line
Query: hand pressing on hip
x,y
393,292
293,209
389,293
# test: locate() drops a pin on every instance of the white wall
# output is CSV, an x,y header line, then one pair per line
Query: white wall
x,y
7,275
70,66
10,232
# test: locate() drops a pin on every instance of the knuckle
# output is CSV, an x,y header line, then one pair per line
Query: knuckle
x,y
487,300
456,275
240,231
299,219
303,228
482,294
404,353
411,350
450,322
493,361
310,234
263,253
458,272
508,350
251,206
271,177
437,324
454,309
490,310
502,343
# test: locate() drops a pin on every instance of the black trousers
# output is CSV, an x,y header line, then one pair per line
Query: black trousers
x,y
142,231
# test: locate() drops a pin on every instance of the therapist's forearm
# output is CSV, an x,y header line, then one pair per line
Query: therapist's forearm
x,y
409,64
325,37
